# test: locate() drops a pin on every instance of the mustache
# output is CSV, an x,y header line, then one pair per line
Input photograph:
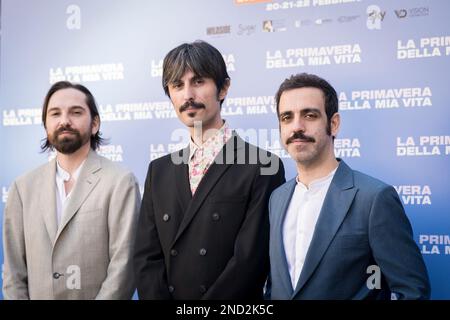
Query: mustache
x,y
193,104
301,136
65,129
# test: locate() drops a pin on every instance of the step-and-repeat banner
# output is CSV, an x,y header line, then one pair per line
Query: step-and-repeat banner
x,y
388,60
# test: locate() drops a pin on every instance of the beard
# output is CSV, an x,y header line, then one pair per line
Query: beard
x,y
68,144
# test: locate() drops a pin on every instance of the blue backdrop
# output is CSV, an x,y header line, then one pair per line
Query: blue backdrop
x,y
388,60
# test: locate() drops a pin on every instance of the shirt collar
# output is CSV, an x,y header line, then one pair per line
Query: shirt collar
x,y
218,139
317,183
64,175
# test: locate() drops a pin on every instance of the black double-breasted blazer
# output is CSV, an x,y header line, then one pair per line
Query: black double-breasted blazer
x,y
215,244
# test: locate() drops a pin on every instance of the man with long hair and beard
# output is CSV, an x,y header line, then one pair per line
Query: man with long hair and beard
x,y
69,225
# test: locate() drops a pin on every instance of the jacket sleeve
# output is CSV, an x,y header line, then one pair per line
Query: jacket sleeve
x,y
15,278
149,264
122,219
250,262
394,249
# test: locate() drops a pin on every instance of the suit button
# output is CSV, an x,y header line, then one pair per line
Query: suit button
x,y
202,252
166,217
215,216
171,289
173,252
56,275
202,289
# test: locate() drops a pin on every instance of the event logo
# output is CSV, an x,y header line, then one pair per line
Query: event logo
x,y
412,12
302,23
414,194
402,13
246,30
252,105
74,20
267,26
423,146
321,21
137,111
22,117
386,99
346,19
423,48
273,25
218,31
315,56
435,243
87,73
287,5
374,17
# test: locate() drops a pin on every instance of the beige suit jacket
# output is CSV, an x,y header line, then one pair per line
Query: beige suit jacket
x,y
89,255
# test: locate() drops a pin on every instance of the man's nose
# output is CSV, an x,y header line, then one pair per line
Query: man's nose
x,y
65,119
188,93
298,124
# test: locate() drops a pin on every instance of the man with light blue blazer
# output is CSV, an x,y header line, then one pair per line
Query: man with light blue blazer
x,y
335,233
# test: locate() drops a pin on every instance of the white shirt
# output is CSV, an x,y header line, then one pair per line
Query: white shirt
x,y
300,222
61,196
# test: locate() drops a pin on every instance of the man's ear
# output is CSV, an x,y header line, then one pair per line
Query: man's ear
x,y
95,125
335,124
224,91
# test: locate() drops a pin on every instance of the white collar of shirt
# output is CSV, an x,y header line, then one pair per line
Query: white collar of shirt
x,y
300,222
317,184
61,196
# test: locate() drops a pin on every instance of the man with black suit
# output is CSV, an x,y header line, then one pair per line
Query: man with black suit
x,y
204,226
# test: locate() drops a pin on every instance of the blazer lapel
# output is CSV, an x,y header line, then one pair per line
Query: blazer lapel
x,y
280,253
337,202
212,176
181,176
48,199
87,180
